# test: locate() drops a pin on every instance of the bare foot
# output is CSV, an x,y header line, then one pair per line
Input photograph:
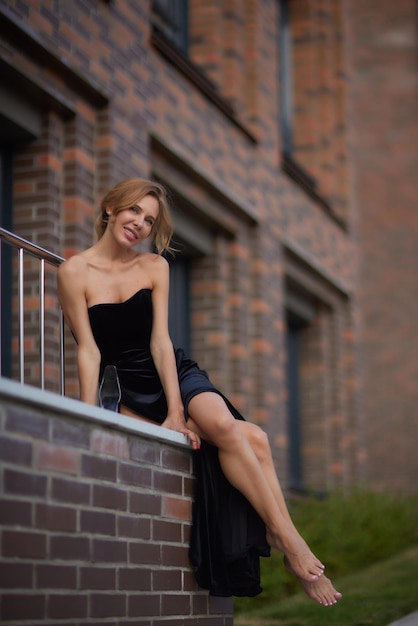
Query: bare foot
x,y
299,559
321,590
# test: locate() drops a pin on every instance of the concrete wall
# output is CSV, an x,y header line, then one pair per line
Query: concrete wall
x,y
95,516
384,99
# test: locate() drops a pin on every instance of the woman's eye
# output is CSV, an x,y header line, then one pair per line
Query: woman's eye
x,y
134,209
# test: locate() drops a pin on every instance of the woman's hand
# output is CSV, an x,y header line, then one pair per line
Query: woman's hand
x,y
179,424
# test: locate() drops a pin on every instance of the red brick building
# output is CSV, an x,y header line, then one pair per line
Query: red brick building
x,y
286,132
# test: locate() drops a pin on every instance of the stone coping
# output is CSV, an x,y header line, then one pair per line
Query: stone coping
x,y
32,396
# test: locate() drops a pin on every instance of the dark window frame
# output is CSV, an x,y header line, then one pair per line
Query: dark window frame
x,y
286,79
180,59
296,479
179,302
6,221
171,17
289,164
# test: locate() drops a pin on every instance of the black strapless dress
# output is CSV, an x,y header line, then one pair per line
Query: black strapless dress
x,y
228,536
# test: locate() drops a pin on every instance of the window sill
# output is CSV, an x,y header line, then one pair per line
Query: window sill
x,y
39,50
197,77
309,185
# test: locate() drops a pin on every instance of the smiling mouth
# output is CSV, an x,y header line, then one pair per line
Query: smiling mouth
x,y
131,234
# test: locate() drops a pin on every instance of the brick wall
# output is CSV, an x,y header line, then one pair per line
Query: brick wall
x,y
115,102
94,518
320,123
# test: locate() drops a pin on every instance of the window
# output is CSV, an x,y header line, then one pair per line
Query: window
x,y
179,302
20,121
312,112
300,313
6,258
286,78
296,152
293,404
295,109
171,18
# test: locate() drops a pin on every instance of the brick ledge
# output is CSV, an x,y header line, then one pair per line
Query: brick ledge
x,y
31,396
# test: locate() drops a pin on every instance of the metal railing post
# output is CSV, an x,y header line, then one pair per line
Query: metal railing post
x,y
42,321
21,319
44,256
1,306
62,353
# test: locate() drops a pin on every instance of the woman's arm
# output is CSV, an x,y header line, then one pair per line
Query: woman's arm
x,y
162,347
72,297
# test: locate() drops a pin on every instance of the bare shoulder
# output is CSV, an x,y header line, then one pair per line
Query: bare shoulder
x,y
154,262
74,264
73,270
156,267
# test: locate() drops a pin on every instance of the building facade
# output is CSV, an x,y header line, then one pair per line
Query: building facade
x,y
256,115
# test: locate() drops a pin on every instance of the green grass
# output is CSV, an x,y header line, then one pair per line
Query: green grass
x,y
375,596
365,539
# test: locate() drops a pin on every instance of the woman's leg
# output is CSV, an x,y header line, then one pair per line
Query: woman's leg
x,y
245,457
320,590
259,442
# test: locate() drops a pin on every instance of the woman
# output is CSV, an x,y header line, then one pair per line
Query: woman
x,y
115,300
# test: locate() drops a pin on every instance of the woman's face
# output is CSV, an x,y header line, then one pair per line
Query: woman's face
x,y
133,225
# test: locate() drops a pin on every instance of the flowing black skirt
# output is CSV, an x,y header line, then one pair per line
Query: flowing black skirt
x,y
228,537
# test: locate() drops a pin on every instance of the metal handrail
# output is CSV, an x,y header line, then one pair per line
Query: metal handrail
x,y
44,256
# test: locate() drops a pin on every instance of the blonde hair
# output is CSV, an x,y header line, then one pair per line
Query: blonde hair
x,y
129,192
